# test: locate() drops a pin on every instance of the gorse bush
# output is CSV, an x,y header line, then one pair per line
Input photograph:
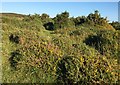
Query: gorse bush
x,y
49,26
68,70
116,25
63,50
45,18
96,18
15,58
14,38
97,42
84,70
48,23
106,42
79,20
62,21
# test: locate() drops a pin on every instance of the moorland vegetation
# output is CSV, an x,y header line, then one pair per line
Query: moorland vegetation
x,y
64,50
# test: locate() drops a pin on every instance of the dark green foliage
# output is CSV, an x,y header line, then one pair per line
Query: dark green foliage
x,y
45,18
49,26
48,23
83,70
62,21
96,41
68,70
116,25
59,56
96,19
14,38
15,58
79,20
106,42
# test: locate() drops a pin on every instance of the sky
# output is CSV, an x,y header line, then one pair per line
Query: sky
x,y
106,9
59,0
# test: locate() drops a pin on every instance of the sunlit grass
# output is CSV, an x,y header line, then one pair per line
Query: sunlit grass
x,y
40,56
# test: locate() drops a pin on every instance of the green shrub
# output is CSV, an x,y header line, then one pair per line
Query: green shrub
x,y
84,70
49,26
97,42
116,25
68,70
15,58
106,42
14,38
43,56
79,20
62,21
32,22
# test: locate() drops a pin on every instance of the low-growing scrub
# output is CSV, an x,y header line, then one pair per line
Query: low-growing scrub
x,y
84,70
106,42
62,50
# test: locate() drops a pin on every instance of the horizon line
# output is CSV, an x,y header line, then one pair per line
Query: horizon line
x,y
51,16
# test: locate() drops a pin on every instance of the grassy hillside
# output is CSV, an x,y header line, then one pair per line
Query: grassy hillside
x,y
12,15
36,49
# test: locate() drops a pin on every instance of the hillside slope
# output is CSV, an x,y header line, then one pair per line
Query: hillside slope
x,y
79,54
